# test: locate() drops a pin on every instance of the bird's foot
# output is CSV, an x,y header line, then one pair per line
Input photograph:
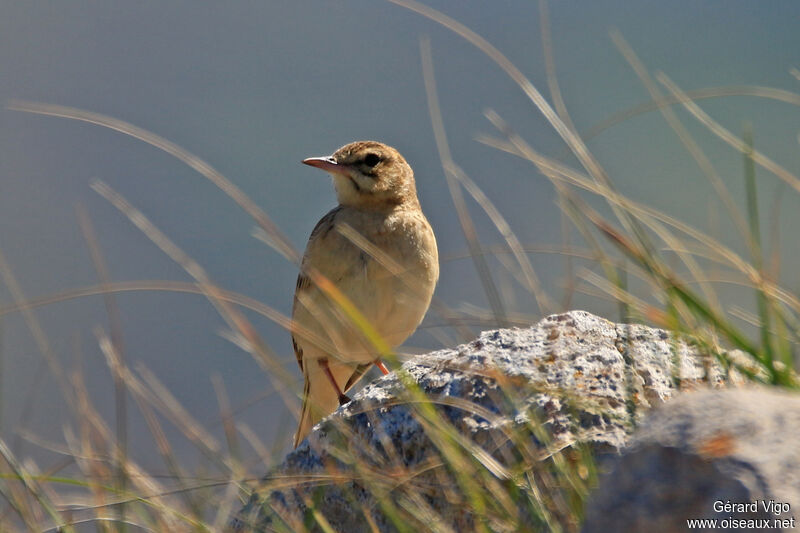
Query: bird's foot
x,y
343,399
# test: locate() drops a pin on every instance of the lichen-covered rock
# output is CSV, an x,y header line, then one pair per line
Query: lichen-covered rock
x,y
722,455
577,376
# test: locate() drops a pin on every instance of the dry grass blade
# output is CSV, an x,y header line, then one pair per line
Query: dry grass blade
x,y
239,299
278,240
143,398
31,488
556,173
146,285
734,141
115,324
99,262
683,134
101,522
572,140
33,324
228,423
755,91
157,395
144,484
449,166
531,280
235,320
575,143
691,146
166,402
561,109
561,173
230,497
675,287
256,443
176,472
416,505
550,65
92,455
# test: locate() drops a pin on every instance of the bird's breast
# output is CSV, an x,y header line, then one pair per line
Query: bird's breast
x,y
395,274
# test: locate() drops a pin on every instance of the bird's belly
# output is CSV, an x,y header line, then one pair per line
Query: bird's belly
x,y
393,306
398,310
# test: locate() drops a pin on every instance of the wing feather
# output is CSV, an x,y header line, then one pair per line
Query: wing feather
x,y
318,234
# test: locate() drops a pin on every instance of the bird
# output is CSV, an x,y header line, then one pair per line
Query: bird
x,y
378,250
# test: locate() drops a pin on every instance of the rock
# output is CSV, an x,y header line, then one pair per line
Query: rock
x,y
578,376
725,446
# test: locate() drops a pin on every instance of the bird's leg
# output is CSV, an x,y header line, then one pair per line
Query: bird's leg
x,y
381,366
343,398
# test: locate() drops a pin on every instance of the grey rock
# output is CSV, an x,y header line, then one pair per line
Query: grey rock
x,y
736,446
581,377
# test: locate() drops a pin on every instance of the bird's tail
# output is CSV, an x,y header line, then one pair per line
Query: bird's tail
x,y
306,422
319,396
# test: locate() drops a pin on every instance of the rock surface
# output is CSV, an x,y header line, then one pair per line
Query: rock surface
x,y
735,446
582,377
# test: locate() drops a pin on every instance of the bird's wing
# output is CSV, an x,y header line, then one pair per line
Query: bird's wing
x,y
318,247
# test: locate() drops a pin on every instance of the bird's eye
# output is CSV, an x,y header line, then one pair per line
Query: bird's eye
x,y
371,160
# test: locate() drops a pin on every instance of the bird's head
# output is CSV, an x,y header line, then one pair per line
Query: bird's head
x,y
369,175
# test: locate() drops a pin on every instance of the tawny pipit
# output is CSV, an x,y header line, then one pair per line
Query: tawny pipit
x,y
378,249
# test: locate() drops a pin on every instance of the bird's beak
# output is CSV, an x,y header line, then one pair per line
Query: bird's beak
x,y
325,163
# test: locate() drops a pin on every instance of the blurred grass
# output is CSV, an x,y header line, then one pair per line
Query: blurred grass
x,y
659,270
